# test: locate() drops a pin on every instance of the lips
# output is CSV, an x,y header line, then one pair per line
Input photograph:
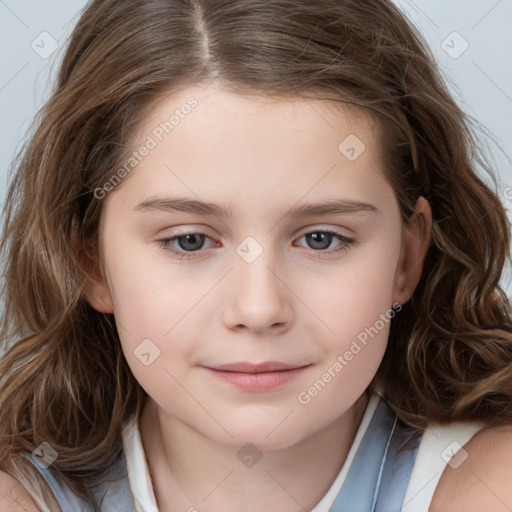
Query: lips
x,y
244,367
262,377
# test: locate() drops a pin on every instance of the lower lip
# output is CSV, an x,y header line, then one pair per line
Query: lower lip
x,y
265,381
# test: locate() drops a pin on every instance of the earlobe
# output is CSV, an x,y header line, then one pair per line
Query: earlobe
x,y
96,289
98,295
415,243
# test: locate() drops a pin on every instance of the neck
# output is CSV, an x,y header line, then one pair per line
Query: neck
x,y
192,472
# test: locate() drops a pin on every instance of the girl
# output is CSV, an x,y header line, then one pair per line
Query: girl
x,y
250,266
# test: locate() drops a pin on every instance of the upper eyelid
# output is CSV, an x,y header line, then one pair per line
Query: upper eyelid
x,y
305,231
167,243
185,232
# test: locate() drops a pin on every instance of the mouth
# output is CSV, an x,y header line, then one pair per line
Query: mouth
x,y
268,366
257,377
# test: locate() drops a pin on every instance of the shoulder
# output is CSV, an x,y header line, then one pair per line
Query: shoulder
x,y
13,496
483,481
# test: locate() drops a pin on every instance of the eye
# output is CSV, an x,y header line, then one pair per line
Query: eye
x,y
321,239
188,242
184,245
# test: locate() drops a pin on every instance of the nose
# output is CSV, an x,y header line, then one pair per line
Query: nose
x,y
258,298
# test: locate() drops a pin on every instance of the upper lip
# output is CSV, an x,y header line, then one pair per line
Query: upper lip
x,y
268,366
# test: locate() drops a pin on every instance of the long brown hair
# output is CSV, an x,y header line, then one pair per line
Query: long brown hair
x,y
64,379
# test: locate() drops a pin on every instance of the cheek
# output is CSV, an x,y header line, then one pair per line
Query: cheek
x,y
352,295
154,316
151,294
356,318
352,318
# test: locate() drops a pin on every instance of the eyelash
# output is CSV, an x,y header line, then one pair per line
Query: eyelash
x,y
165,243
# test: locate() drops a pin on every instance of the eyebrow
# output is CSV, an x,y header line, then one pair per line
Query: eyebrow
x,y
185,205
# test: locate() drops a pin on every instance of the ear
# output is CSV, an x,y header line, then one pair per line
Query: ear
x,y
96,288
415,242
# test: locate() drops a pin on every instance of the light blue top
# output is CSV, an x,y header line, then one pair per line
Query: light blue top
x,y
376,481
114,496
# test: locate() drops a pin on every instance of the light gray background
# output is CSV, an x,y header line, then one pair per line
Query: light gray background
x,y
480,76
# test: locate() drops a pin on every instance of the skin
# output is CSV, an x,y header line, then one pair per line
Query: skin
x,y
296,303
484,480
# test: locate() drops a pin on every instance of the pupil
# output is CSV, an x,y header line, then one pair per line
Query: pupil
x,y
317,238
191,239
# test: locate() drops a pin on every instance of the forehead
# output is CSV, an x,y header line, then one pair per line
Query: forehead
x,y
214,102
209,141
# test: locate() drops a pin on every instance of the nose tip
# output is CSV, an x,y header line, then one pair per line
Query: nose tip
x,y
258,299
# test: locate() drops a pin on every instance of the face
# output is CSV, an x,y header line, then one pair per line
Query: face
x,y
265,276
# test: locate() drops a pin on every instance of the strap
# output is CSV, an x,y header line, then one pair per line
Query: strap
x,y
114,495
61,492
378,477
397,472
